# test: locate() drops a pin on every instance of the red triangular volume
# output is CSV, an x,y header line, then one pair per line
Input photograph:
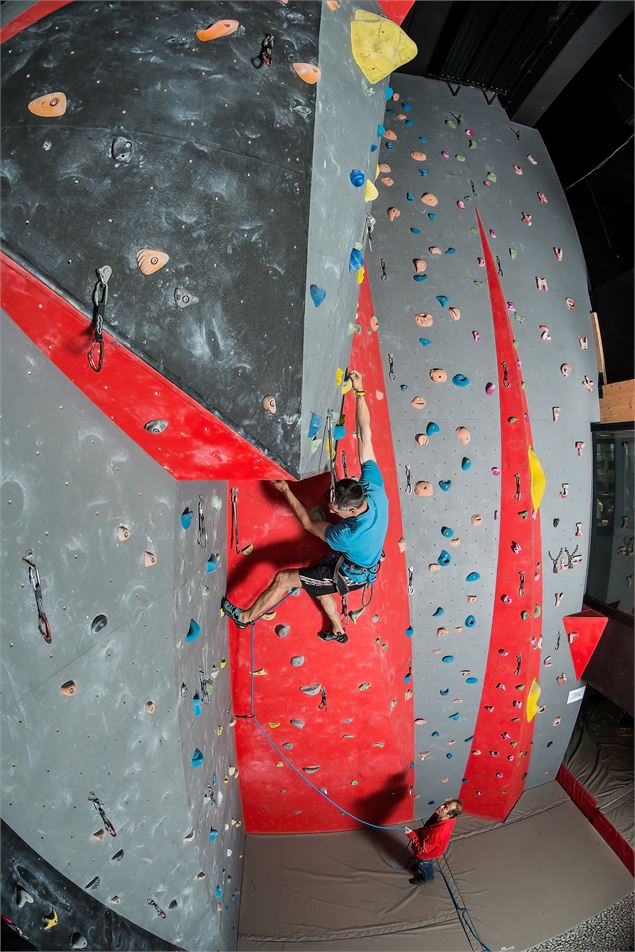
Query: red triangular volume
x,y
584,630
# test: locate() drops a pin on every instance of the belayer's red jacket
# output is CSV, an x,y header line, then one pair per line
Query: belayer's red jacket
x,y
431,841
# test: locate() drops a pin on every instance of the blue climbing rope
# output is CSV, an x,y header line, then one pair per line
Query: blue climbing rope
x,y
462,911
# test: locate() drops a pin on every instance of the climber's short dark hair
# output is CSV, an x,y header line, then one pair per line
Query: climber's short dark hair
x,y
348,494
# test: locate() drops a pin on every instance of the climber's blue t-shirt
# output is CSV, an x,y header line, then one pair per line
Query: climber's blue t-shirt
x,y
361,538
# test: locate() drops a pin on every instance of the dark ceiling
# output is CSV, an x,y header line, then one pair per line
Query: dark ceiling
x,y
567,69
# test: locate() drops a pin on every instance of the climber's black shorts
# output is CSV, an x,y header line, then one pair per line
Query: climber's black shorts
x,y
318,579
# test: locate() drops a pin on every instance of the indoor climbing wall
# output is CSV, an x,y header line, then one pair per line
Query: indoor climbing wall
x,y
487,345
221,175
118,760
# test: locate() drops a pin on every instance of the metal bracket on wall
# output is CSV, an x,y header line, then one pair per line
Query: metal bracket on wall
x,y
455,88
489,99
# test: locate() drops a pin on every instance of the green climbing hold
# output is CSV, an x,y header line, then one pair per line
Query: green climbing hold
x,y
471,144
524,615
537,611
450,123
364,686
459,157
513,254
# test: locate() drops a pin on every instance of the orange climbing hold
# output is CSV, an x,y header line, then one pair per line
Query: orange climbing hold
x,y
150,261
420,265
418,156
51,106
393,213
332,4
424,320
424,488
217,29
307,72
429,199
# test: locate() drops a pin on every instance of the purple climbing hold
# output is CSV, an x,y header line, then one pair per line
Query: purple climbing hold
x,y
317,294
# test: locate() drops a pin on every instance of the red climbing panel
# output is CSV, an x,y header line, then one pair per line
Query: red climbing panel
x,y
396,9
584,630
363,742
499,759
37,11
195,444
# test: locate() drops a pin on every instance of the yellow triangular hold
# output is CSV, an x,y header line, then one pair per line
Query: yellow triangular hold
x,y
538,479
532,701
339,376
360,275
370,191
379,46
377,171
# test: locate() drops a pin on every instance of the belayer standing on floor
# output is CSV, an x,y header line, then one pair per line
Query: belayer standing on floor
x,y
357,541
431,840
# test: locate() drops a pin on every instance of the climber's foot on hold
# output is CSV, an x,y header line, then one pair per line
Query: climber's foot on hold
x,y
339,636
416,880
233,612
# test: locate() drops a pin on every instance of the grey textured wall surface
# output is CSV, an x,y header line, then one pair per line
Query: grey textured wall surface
x,y
219,179
472,164
71,479
347,112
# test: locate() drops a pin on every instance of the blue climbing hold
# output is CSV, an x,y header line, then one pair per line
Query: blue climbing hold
x,y
407,678
317,294
432,428
389,145
450,251
449,756
447,532
380,129
410,196
356,260
472,577
466,463
357,178
415,231
424,341
194,632
406,106
197,705
444,484
219,893
420,277
186,518
212,835
470,621
423,173
373,147
444,557
409,631
442,299
315,425
446,659
197,758
435,734
432,216
403,386
439,611
460,380
444,691
339,432
388,92
212,563
409,122
471,680
423,138
454,717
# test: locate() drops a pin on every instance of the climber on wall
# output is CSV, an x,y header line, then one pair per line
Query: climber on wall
x,y
357,541
431,840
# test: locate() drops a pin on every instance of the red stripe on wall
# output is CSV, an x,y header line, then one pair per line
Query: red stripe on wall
x,y
499,759
195,445
37,11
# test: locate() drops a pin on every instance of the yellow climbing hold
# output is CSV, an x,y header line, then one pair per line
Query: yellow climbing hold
x,y
51,920
360,275
538,479
260,673
532,701
346,386
248,549
370,191
273,724
379,46
339,376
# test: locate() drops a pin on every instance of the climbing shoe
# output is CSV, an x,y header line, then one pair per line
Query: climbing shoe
x,y
339,636
416,881
233,612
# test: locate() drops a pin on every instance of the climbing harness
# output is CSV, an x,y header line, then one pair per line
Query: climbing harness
x,y
202,531
100,299
265,57
234,501
34,578
97,804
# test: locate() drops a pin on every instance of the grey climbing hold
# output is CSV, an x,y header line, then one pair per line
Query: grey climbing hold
x,y
311,689
22,897
282,630
155,426
122,149
297,661
98,623
78,941
297,722
118,856
311,770
183,298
